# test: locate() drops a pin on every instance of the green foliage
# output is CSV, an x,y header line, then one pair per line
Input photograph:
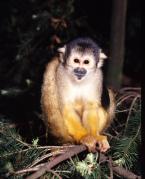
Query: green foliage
x,y
125,149
15,154
87,166
90,168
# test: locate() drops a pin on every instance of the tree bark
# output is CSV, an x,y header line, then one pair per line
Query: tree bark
x,y
117,41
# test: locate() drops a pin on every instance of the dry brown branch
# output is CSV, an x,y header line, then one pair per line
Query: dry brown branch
x,y
125,173
120,170
76,150
110,167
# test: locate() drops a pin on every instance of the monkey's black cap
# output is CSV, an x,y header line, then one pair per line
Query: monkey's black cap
x,y
83,45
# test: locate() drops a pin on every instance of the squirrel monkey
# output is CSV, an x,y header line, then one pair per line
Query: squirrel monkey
x,y
76,106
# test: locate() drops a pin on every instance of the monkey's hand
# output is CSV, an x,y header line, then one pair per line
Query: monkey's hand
x,y
103,143
91,141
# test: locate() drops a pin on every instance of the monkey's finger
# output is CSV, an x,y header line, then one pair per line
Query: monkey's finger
x,y
103,145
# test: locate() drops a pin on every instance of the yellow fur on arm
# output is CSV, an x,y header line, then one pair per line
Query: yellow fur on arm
x,y
94,118
73,124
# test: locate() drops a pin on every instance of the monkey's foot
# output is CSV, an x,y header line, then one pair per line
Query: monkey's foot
x,y
103,143
90,142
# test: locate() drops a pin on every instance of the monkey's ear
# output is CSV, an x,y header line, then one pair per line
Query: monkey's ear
x,y
61,49
61,52
102,56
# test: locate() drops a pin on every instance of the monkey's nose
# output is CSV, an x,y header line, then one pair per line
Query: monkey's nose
x,y
80,72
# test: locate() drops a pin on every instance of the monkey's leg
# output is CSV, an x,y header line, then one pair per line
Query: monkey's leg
x,y
94,120
73,124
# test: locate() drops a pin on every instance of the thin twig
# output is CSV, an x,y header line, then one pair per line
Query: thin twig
x,y
36,168
18,140
121,97
125,98
12,153
55,174
122,90
130,110
46,156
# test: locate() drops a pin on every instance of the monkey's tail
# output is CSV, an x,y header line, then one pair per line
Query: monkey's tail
x,y
112,106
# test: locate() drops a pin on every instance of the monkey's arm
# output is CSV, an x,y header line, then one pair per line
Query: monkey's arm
x,y
73,123
96,118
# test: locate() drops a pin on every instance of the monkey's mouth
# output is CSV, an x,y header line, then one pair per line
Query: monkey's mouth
x,y
79,76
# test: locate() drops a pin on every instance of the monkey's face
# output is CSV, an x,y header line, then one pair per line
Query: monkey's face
x,y
80,65
81,57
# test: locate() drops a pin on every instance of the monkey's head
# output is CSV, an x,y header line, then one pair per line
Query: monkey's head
x,y
81,57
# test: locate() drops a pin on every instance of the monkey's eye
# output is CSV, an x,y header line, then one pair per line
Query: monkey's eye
x,y
76,60
86,61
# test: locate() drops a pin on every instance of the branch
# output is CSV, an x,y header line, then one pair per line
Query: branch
x,y
125,173
74,151
118,169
